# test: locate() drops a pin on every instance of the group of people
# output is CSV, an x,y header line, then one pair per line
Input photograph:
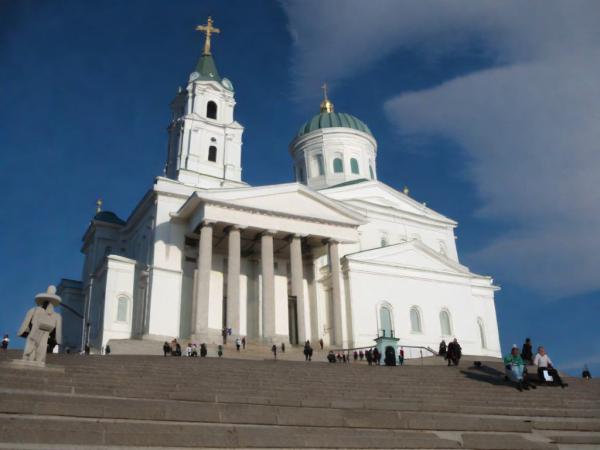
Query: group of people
x,y
516,370
452,352
372,355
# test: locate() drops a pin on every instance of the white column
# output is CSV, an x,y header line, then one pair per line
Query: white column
x,y
336,294
233,280
202,294
298,285
268,285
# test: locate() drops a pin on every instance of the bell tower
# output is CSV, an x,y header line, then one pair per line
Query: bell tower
x,y
205,141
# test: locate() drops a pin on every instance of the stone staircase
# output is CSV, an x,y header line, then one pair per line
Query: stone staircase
x,y
143,401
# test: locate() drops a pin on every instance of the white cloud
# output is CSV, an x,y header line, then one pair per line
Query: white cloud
x,y
529,126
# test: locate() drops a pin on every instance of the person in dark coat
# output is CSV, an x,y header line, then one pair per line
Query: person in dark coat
x,y
306,350
586,374
321,343
220,350
401,356
376,356
166,348
453,353
527,352
244,342
282,347
107,350
331,356
361,355
355,355
274,350
442,350
369,357
203,350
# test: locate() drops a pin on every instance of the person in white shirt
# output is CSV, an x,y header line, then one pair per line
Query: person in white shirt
x,y
544,364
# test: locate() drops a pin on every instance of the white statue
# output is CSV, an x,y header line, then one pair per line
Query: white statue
x,y
39,322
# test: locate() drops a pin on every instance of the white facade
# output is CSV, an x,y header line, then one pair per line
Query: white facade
x,y
338,255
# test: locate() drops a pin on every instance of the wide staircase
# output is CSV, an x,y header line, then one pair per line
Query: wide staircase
x,y
156,402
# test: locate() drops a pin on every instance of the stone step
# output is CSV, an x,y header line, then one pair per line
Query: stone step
x,y
41,429
237,413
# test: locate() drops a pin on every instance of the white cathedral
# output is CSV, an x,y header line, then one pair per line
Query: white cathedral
x,y
334,255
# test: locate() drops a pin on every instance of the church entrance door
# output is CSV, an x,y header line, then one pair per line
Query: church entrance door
x,y
293,320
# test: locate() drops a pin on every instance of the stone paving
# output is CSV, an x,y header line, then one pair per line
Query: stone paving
x,y
144,401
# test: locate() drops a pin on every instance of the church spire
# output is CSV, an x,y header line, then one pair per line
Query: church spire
x,y
326,104
206,68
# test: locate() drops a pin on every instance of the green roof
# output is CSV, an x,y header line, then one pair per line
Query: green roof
x,y
331,120
207,69
109,217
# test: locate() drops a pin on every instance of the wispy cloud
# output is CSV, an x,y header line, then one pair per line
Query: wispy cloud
x,y
529,125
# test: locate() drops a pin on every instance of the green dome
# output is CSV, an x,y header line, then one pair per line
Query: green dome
x,y
331,120
108,217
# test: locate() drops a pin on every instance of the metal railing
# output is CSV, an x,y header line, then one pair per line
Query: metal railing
x,y
417,347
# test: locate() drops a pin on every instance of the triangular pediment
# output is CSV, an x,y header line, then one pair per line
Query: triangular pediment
x,y
378,197
289,199
410,254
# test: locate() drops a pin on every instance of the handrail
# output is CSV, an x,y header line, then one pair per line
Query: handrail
x,y
346,350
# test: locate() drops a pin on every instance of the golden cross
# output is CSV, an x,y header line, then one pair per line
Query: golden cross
x,y
207,29
324,87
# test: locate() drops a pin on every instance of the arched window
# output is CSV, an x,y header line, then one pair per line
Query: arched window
x,y
445,323
338,165
319,163
122,308
385,321
481,332
354,165
371,172
212,153
211,110
415,320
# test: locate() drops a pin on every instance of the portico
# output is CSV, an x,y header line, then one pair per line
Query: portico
x,y
273,254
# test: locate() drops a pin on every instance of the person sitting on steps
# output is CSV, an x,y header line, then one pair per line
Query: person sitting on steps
x,y
515,368
544,364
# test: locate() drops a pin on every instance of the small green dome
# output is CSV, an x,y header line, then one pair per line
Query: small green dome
x,y
331,120
108,217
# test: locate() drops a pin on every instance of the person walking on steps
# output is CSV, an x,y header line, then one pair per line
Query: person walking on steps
x,y
321,343
238,344
454,353
244,342
274,350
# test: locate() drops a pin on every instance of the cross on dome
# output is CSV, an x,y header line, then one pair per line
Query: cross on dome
x,y
207,29
326,105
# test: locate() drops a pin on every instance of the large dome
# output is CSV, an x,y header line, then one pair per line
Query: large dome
x,y
331,120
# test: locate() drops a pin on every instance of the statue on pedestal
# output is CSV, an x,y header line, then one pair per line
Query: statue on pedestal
x,y
39,323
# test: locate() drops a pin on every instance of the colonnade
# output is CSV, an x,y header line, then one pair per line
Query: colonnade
x,y
201,300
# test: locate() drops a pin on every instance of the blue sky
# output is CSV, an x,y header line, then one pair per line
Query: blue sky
x,y
488,111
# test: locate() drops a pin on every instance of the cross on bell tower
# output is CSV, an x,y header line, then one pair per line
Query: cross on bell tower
x,y
208,30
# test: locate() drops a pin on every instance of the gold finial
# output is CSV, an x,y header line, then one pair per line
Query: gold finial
x,y
98,205
207,29
326,105
406,190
